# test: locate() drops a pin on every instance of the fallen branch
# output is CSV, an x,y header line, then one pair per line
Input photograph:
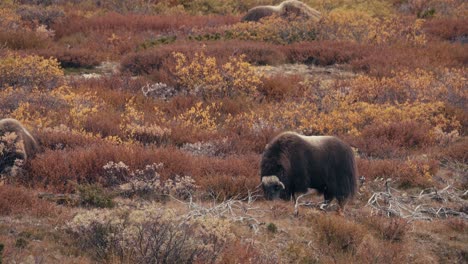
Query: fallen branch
x,y
392,203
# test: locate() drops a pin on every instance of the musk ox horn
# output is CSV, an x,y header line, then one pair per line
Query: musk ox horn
x,y
271,180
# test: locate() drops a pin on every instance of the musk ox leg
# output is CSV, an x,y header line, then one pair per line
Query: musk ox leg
x,y
328,197
341,205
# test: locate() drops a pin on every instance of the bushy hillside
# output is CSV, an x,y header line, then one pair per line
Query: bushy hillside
x,y
152,117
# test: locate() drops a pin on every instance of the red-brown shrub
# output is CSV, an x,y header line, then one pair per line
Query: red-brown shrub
x,y
325,52
393,229
19,200
57,169
72,58
238,252
105,123
410,173
384,60
451,29
113,22
18,40
458,151
337,234
394,139
62,138
280,87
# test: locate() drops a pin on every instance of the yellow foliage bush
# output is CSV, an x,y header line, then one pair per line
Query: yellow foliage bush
x,y
81,105
273,29
135,126
409,85
345,118
9,20
202,117
204,76
353,117
29,72
361,27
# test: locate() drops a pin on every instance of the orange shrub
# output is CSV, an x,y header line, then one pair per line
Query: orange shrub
x,y
57,170
281,87
19,200
20,40
409,173
72,58
204,76
393,139
451,29
29,72
273,29
114,22
360,26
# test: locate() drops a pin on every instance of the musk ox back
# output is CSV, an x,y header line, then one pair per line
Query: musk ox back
x,y
292,163
287,9
16,143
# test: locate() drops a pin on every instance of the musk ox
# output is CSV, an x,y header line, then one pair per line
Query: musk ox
x,y
292,163
16,143
286,9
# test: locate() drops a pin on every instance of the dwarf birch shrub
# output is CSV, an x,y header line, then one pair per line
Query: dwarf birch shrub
x,y
274,29
149,235
204,76
29,72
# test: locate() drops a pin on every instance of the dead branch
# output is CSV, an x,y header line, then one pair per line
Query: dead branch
x,y
394,203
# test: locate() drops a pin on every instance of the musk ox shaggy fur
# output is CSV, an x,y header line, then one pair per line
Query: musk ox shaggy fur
x,y
293,163
286,9
16,144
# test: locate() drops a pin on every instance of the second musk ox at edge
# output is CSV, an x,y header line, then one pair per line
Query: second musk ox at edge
x,y
293,163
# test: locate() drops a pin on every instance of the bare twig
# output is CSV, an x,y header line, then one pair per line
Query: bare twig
x,y
392,202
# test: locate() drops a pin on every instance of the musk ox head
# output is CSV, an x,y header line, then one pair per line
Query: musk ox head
x,y
272,187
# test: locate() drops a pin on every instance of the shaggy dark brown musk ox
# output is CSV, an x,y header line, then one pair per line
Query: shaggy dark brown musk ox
x,y
292,163
15,143
286,9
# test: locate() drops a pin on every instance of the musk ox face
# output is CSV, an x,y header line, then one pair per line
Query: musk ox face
x,y
272,187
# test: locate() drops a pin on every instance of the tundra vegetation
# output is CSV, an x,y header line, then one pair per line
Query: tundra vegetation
x,y
152,117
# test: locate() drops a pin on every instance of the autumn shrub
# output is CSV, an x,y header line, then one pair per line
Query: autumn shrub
x,y
104,123
393,230
86,165
273,29
40,15
221,187
451,29
63,137
148,233
29,72
407,173
239,252
359,26
393,139
22,40
455,152
92,195
281,87
326,52
135,127
338,234
411,85
15,200
115,22
374,250
384,60
204,76
35,109
72,58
